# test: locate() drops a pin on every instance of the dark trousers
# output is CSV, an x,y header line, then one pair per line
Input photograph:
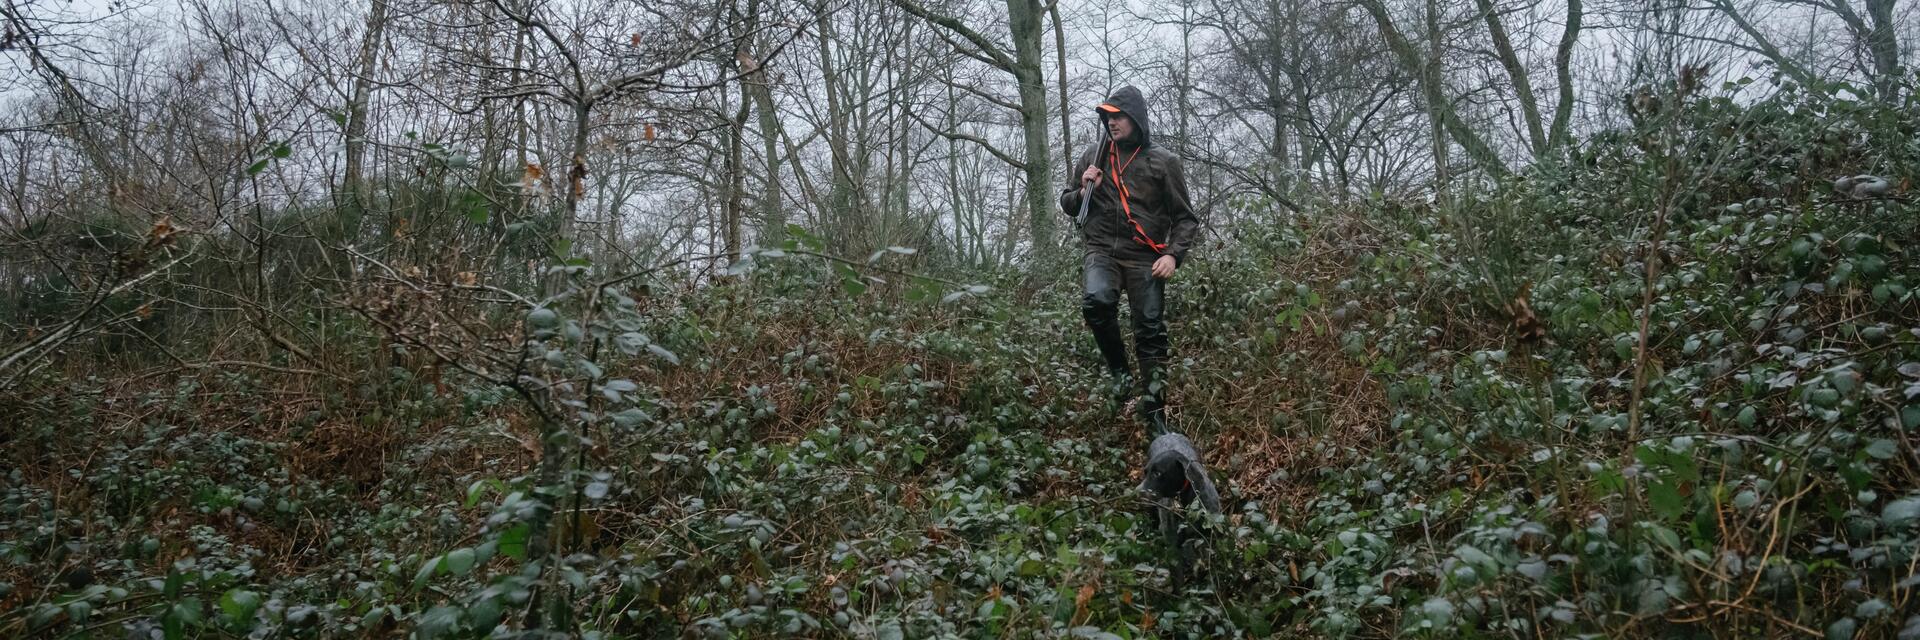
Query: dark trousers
x,y
1103,278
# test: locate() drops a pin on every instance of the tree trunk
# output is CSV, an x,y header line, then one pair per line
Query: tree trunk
x,y
355,130
1563,75
736,137
1432,77
1184,92
758,87
1060,68
577,173
904,178
1885,47
1522,86
1278,95
963,234
841,217
1023,17
736,177
521,36
1439,108
1026,67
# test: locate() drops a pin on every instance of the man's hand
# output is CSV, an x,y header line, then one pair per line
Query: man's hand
x,y
1091,175
1163,268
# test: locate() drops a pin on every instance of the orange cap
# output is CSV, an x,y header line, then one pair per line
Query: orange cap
x,y
1109,108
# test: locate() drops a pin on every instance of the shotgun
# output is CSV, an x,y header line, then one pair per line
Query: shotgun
x,y
1086,194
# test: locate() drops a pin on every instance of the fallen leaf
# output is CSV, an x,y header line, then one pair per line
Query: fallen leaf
x,y
162,232
1525,323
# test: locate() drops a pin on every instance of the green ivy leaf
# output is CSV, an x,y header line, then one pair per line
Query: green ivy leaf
x,y
476,490
475,206
1663,535
437,621
183,614
1842,629
1900,512
426,571
460,561
1882,448
805,238
484,613
43,616
513,542
1666,499
630,418
239,605
1473,555
922,290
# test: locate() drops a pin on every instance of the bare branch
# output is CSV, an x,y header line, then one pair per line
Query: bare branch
x,y
997,56
955,135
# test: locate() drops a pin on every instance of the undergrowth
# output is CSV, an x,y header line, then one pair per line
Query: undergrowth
x,y
1421,418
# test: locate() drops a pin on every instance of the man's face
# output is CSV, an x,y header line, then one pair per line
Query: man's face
x,y
1119,126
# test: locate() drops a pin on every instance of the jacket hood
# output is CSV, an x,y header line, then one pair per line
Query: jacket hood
x,y
1131,102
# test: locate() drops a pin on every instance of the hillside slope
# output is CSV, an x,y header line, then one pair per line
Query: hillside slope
x,y
1422,418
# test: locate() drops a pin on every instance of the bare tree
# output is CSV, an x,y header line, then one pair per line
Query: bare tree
x,y
1024,66
1440,106
1542,136
355,130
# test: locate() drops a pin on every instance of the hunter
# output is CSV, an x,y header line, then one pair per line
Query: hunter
x,y
1137,230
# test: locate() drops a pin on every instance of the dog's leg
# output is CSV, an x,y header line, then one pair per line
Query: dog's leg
x,y
1171,532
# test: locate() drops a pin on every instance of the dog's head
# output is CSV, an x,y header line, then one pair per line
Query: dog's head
x,y
1174,472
